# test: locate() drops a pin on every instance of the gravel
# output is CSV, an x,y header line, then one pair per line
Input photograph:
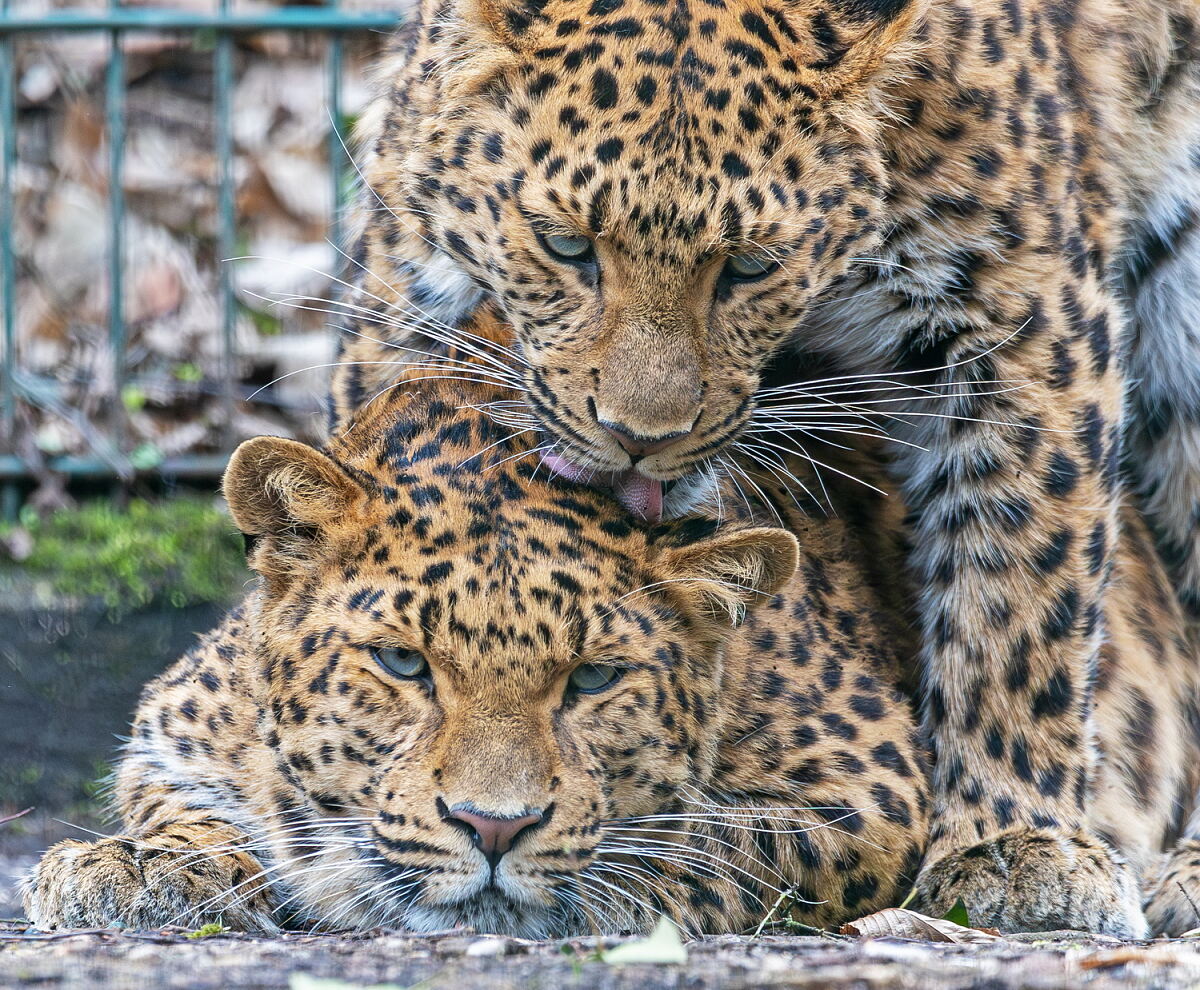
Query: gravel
x,y
464,960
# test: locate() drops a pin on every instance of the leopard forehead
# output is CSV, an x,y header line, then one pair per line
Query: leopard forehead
x,y
468,548
700,124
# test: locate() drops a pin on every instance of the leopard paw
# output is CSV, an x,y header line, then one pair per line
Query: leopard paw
x,y
1037,880
1173,899
125,883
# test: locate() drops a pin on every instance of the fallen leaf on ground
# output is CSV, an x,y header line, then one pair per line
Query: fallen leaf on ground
x,y
1121,957
663,945
302,981
902,923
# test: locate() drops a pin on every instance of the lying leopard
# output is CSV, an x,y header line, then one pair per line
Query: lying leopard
x,y
466,691
696,213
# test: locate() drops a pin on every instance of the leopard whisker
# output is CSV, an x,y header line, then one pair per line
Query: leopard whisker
x,y
732,472
634,874
625,894
684,856
656,834
799,452
756,452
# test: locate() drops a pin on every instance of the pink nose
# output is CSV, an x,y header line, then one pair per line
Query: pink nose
x,y
493,835
640,446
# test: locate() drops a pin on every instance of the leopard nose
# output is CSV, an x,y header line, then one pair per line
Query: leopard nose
x,y
641,446
493,835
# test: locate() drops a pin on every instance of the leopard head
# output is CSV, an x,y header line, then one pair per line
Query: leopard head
x,y
472,671
652,191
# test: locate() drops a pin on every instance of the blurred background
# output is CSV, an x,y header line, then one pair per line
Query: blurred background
x,y
143,148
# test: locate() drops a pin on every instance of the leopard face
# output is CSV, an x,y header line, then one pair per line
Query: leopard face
x,y
477,671
651,193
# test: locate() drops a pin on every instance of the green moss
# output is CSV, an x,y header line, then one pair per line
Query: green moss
x,y
209,930
182,551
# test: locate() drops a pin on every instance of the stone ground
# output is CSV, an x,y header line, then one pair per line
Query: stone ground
x,y
465,961
458,960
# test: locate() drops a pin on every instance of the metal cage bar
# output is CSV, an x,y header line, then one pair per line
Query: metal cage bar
x,y
114,118
117,20
8,275
227,221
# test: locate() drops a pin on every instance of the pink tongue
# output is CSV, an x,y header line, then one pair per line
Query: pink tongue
x,y
640,495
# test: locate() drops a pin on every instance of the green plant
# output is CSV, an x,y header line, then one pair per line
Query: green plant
x,y
181,551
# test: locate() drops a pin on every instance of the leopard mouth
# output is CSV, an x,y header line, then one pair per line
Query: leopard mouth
x,y
643,496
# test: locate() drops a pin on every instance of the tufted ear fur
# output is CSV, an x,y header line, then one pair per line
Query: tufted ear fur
x,y
841,43
734,571
286,491
483,39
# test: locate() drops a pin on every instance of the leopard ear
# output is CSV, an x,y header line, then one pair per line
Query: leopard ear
x,y
287,491
484,39
839,44
731,572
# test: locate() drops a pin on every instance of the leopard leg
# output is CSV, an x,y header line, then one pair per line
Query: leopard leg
x,y
1014,528
1162,283
838,829
185,872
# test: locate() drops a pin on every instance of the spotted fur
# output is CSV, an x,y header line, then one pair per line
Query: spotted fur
x,y
759,750
994,200
277,775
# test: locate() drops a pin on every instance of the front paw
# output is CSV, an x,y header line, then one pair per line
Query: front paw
x,y
1037,880
1173,900
127,884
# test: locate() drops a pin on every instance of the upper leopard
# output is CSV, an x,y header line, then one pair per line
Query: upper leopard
x,y
652,192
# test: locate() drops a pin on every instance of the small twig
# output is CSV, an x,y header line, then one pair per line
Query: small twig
x,y
1188,898
11,818
774,907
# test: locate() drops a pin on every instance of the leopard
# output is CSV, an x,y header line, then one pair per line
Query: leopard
x,y
470,690
724,227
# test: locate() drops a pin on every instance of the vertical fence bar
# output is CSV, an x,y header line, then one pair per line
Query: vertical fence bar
x,y
336,138
114,113
227,221
116,19
8,273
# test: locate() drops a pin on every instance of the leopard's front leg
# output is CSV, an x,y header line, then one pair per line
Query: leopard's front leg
x,y
1014,527
188,872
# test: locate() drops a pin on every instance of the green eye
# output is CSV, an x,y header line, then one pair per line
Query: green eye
x,y
593,677
407,664
569,247
748,267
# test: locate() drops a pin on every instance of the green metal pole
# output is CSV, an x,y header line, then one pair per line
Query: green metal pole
x,y
227,223
336,137
163,19
8,275
114,112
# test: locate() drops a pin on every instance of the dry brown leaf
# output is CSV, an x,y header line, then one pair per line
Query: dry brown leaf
x,y
902,923
1121,957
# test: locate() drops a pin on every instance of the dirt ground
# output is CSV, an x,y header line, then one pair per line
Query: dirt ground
x,y
464,961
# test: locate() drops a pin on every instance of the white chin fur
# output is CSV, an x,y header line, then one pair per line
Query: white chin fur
x,y
447,292
488,912
692,493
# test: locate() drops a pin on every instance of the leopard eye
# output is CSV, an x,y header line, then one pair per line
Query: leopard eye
x,y
591,678
568,247
748,267
407,664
